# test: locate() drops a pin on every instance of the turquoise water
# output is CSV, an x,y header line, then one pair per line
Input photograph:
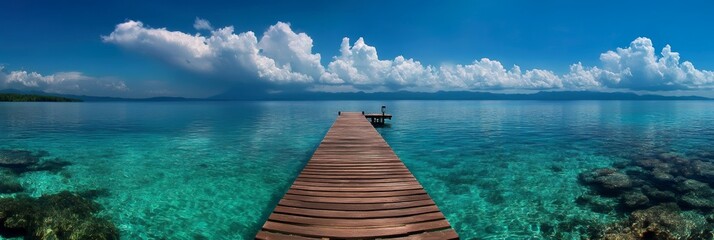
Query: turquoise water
x,y
214,170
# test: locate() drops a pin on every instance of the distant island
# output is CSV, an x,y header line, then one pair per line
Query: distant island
x,y
243,95
15,97
448,95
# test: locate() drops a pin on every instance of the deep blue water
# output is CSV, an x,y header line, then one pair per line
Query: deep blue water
x,y
497,169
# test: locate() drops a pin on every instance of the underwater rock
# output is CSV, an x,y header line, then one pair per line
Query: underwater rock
x,y
54,166
8,184
607,181
692,185
568,228
676,166
58,216
12,187
652,164
667,181
658,222
658,195
18,158
21,161
698,201
704,171
668,156
662,176
596,203
634,200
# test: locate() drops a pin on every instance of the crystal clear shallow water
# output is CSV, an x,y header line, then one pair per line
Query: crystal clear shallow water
x,y
498,169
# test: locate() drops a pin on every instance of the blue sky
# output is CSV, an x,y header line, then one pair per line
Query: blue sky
x,y
407,45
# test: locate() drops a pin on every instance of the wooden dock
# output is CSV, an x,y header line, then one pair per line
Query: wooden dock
x,y
377,118
355,187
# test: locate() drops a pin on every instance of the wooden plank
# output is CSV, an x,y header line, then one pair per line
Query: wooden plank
x,y
354,165
355,187
355,174
263,235
360,176
368,232
354,184
374,193
384,180
355,207
342,222
356,199
449,234
357,162
356,171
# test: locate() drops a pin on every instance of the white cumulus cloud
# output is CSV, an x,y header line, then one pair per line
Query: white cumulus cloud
x,y
360,66
491,74
202,24
61,82
638,67
224,54
282,57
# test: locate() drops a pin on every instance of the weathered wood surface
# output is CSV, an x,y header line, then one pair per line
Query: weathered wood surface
x,y
355,187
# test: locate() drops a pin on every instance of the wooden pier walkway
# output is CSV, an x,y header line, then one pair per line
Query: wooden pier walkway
x,y
355,187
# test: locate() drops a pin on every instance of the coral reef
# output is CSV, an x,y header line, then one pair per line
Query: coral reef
x,y
8,184
655,191
660,222
607,181
634,199
19,158
15,162
20,161
59,216
52,165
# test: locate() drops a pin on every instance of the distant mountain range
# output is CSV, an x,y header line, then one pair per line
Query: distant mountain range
x,y
462,95
401,95
99,98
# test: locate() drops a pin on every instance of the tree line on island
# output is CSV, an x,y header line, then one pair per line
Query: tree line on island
x,y
14,97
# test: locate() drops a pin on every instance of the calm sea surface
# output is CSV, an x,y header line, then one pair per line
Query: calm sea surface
x,y
497,169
